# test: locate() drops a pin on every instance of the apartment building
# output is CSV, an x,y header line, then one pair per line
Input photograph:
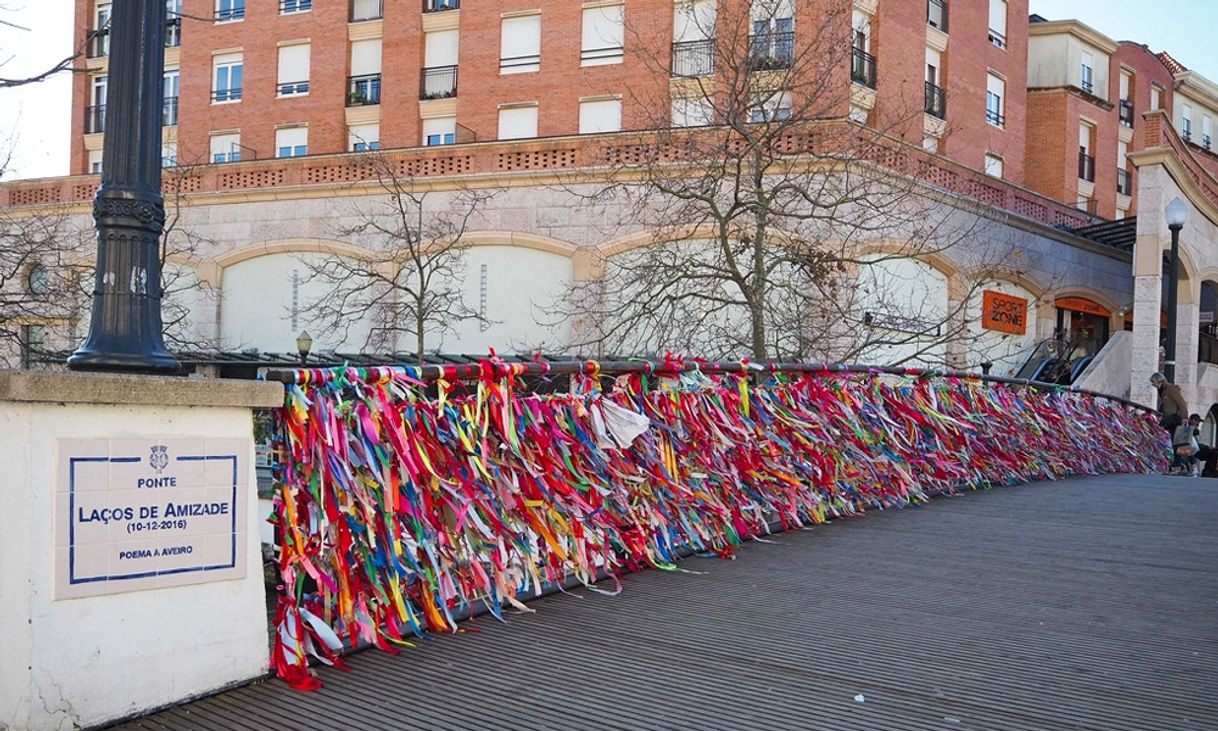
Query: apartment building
x,y
270,79
1087,94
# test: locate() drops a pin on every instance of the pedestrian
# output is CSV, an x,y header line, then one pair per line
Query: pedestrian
x,y
1172,409
1206,453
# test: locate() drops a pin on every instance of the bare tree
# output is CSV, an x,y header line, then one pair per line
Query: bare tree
x,y
7,14
408,281
764,179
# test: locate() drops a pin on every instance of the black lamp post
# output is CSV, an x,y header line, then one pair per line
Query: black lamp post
x,y
125,329
1177,216
304,343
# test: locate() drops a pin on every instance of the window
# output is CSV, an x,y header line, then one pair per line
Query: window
x,y
1124,181
101,25
172,88
693,48
995,89
295,6
228,11
773,44
692,112
520,45
173,23
169,155
998,23
1086,160
33,339
95,162
100,84
1205,131
603,35
226,77
773,106
1085,74
362,10
364,137
1186,122
517,122
364,84
600,115
936,14
993,165
862,63
440,58
294,70
1126,84
291,141
440,131
1124,91
226,147
95,115
1156,97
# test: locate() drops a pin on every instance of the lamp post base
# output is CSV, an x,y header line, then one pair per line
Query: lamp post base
x,y
151,363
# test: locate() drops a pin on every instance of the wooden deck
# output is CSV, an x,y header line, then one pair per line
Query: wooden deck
x,y
1083,604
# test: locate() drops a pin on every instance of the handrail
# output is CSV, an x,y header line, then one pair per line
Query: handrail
x,y
498,368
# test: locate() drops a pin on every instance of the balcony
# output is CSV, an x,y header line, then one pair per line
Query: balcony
x,y
997,39
693,58
771,51
439,6
169,111
1124,182
364,10
1086,167
98,44
95,119
1126,113
936,101
438,82
173,32
364,90
862,68
936,14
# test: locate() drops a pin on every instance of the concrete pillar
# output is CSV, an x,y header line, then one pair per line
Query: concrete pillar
x,y
131,565
1187,327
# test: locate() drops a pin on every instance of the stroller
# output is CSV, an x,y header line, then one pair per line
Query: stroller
x,y
1184,448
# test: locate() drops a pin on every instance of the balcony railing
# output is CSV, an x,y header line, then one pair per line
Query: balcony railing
x,y
294,6
362,10
998,39
1127,113
438,82
604,54
1124,182
363,90
771,51
862,68
531,62
439,6
1205,141
936,14
173,32
1087,85
1086,167
693,58
936,101
226,95
995,117
98,44
225,15
95,119
169,111
1207,348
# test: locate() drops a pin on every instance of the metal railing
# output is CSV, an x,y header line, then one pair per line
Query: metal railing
x,y
169,111
98,44
1205,141
601,54
1087,85
995,117
516,62
862,68
771,51
439,6
1124,182
693,58
1207,348
362,10
293,88
936,14
1086,167
226,95
1126,113
363,90
438,82
225,15
936,101
95,119
295,6
998,39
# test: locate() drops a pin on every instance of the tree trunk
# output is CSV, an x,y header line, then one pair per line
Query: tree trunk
x,y
420,333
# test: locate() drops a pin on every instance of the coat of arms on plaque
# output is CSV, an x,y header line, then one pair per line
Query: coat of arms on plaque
x,y
159,459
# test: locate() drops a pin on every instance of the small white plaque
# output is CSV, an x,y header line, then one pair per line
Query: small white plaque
x,y
139,513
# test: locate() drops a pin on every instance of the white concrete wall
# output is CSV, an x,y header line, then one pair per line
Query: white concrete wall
x,y
1047,60
1006,351
71,663
904,288
1109,371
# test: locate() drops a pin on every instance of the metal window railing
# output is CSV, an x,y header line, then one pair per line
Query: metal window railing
x,y
862,67
224,15
936,14
439,6
293,88
169,111
995,117
1205,141
363,90
98,44
998,39
1124,182
771,51
601,54
1086,167
362,10
173,32
693,58
1087,85
95,119
295,6
1126,113
517,62
226,95
936,101
438,82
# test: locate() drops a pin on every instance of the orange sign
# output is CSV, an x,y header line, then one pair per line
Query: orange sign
x,y
1079,304
1004,313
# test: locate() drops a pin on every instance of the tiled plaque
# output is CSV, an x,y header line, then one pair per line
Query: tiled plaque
x,y
141,513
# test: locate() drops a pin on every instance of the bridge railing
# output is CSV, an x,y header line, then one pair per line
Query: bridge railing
x,y
400,514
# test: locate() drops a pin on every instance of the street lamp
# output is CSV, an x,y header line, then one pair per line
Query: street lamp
x,y
1177,216
304,343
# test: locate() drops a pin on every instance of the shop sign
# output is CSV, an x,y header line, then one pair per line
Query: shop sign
x,y
1004,312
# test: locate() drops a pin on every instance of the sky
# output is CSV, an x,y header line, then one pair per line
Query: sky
x,y
35,120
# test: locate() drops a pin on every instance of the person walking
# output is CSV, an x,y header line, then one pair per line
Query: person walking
x,y
1172,409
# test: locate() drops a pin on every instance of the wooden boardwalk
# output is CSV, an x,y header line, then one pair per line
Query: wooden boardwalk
x,y
1084,604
